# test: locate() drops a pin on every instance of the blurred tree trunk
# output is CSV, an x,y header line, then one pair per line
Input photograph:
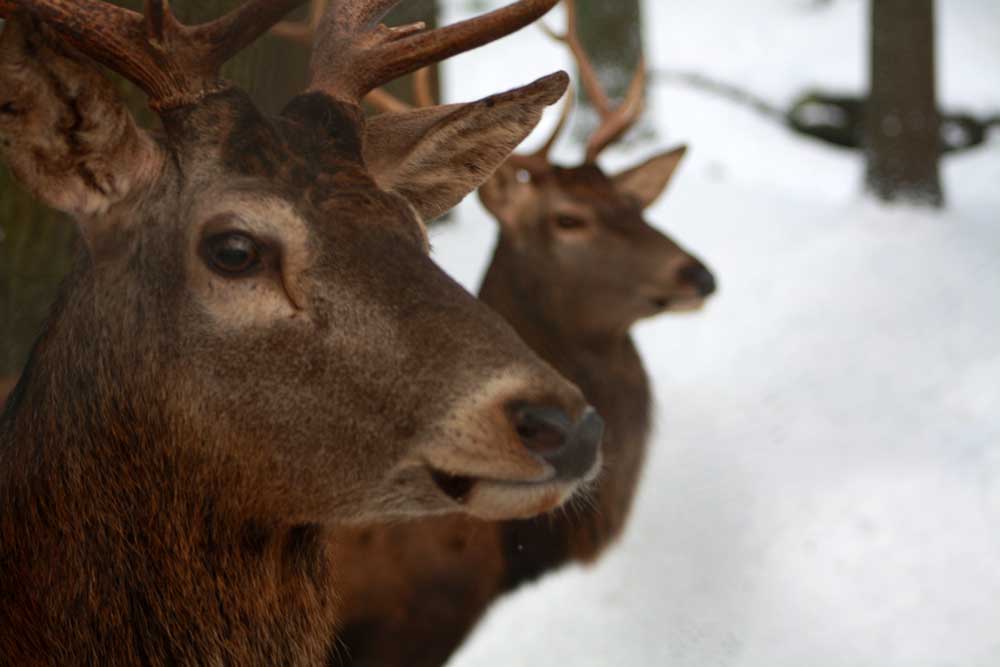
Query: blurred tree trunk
x,y
37,245
612,34
902,122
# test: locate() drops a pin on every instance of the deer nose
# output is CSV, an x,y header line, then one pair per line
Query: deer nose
x,y
698,275
571,448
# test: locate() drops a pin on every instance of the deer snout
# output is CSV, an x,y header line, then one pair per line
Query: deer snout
x,y
698,276
520,445
570,447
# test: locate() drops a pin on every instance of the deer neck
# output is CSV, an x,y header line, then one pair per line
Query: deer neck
x,y
608,369
546,317
119,545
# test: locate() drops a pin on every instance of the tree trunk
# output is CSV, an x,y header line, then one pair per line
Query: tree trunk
x,y
37,245
902,123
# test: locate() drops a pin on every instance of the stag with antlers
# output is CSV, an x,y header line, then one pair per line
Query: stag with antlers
x,y
575,266
253,346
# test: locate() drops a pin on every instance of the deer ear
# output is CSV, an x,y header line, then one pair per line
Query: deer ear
x,y
63,130
648,181
507,192
434,157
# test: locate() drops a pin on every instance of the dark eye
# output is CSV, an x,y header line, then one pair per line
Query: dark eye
x,y
569,222
232,254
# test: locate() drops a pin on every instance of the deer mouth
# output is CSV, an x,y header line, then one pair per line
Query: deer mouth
x,y
456,487
460,487
497,499
682,304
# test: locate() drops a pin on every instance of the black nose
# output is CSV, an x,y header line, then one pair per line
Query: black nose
x,y
697,274
570,448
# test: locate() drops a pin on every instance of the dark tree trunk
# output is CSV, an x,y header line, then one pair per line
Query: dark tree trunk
x,y
37,245
902,124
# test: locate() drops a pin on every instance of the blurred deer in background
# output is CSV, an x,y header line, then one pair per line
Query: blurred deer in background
x,y
575,266
254,344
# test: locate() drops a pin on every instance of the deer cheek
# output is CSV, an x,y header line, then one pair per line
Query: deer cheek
x,y
243,304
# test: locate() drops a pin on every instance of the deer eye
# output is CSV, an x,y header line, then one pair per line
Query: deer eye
x,y
232,254
569,222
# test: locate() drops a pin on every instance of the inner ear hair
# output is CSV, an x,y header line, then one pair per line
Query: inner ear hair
x,y
434,157
647,181
65,133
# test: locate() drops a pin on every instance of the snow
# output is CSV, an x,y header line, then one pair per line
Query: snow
x,y
824,487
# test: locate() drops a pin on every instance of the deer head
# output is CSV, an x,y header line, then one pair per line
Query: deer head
x,y
256,294
576,239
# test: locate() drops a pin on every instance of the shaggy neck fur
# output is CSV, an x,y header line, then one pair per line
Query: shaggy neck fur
x,y
122,544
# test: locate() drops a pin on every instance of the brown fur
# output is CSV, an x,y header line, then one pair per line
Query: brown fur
x,y
181,441
414,591
6,386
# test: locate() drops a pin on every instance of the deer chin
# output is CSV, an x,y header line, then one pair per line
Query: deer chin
x,y
498,500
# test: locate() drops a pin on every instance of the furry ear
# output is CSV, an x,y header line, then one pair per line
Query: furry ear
x,y
647,181
434,157
63,130
509,191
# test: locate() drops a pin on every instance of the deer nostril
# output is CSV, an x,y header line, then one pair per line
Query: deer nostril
x,y
698,275
571,448
585,447
543,430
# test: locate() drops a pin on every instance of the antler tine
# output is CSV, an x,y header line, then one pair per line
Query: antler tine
x,y
423,95
615,122
567,111
174,64
423,89
615,125
353,55
588,75
386,102
381,99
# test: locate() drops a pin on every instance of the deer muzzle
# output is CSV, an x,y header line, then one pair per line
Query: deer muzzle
x,y
505,455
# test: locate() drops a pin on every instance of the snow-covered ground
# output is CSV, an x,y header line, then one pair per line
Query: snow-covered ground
x,y
824,488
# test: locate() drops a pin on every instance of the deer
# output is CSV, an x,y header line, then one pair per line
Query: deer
x,y
574,267
6,384
253,346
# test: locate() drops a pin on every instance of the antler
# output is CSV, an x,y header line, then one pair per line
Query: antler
x,y
354,54
174,64
423,95
616,121
305,32
382,99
